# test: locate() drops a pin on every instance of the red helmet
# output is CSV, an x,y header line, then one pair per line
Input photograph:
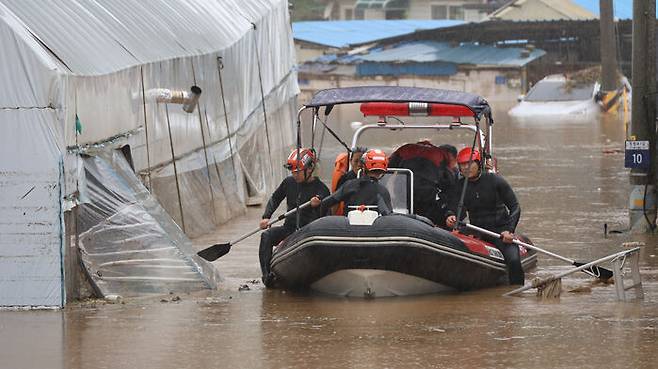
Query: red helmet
x,y
306,159
375,159
465,156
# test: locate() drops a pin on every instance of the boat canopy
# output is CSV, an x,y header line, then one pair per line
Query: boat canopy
x,y
334,96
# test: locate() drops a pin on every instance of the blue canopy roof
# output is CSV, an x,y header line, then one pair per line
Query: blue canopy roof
x,y
348,95
344,33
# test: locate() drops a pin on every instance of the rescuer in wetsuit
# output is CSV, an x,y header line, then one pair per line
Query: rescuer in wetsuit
x,y
365,190
298,188
491,204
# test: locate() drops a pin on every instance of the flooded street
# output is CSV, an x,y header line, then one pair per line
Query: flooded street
x,y
570,181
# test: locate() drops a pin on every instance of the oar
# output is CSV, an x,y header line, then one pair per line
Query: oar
x,y
216,251
594,270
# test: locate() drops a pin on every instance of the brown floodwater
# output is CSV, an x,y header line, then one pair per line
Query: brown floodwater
x,y
570,181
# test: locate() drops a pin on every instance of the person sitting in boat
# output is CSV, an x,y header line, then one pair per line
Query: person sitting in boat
x,y
298,188
491,204
434,182
365,190
355,163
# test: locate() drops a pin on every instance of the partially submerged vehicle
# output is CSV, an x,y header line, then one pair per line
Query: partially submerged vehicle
x,y
560,98
555,98
368,255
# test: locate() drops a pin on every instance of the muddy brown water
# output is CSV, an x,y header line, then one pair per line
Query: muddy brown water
x,y
569,179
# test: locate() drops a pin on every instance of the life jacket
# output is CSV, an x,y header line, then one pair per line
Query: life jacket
x,y
422,149
341,165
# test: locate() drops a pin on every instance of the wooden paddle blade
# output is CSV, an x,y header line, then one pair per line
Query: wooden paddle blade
x,y
215,252
597,271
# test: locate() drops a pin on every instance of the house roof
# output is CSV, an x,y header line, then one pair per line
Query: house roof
x,y
571,9
536,10
340,34
431,51
100,37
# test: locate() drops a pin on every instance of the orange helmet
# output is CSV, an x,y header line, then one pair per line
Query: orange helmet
x,y
375,159
306,159
465,156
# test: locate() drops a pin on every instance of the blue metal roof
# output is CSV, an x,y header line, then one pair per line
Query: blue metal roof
x,y
431,51
400,69
344,33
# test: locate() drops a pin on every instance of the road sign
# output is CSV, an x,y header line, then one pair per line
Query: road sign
x,y
637,155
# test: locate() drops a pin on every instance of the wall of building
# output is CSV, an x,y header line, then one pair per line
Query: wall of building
x,y
422,9
418,9
307,52
374,14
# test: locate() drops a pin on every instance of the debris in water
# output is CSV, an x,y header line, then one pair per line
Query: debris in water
x,y
549,287
581,289
244,287
113,299
175,299
610,280
633,244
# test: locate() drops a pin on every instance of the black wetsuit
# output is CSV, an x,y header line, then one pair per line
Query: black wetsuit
x,y
361,191
288,189
344,178
492,204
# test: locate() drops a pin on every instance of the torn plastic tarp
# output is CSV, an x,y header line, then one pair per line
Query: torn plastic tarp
x,y
129,245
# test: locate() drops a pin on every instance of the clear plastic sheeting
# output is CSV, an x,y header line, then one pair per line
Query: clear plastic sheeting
x,y
93,67
214,186
129,245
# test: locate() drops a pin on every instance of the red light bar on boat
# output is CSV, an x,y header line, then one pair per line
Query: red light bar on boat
x,y
415,109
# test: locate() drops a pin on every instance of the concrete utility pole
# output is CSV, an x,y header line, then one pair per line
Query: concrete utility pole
x,y
608,47
642,209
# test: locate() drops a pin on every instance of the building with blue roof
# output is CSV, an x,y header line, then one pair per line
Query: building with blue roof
x,y
314,38
498,73
339,34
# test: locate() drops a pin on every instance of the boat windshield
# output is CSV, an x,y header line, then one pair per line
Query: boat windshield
x,y
399,183
559,91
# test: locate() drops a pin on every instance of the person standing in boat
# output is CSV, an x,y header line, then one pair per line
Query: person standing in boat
x,y
491,204
298,188
365,190
355,163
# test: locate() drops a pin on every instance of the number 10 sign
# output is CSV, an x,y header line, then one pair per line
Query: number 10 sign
x,y
637,154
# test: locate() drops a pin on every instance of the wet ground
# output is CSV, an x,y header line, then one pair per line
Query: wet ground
x,y
570,181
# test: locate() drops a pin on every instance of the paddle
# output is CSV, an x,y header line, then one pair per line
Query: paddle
x,y
594,270
216,251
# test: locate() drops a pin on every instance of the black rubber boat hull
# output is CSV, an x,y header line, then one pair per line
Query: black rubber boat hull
x,y
393,243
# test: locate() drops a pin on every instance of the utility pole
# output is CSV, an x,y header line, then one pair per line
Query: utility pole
x,y
608,47
641,147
